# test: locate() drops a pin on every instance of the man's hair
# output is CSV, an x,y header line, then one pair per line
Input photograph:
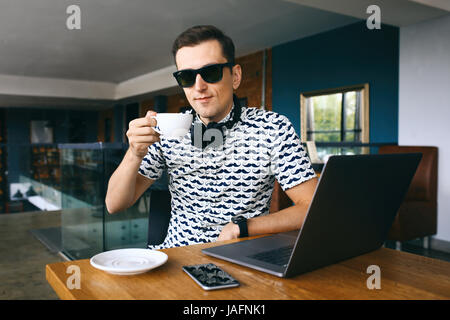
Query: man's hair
x,y
198,34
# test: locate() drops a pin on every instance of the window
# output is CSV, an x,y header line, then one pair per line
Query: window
x,y
337,120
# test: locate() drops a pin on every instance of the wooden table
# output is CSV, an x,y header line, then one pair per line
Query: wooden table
x,y
403,276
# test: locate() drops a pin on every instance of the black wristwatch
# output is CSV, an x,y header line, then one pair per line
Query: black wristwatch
x,y
242,224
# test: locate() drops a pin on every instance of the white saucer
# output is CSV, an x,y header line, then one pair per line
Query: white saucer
x,y
128,261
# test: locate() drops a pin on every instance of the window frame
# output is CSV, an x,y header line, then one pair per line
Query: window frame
x,y
365,129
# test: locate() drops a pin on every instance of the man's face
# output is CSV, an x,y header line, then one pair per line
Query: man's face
x,y
211,101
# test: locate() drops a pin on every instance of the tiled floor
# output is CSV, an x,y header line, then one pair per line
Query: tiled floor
x,y
23,256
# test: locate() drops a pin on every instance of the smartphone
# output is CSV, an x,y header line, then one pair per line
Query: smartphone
x,y
210,277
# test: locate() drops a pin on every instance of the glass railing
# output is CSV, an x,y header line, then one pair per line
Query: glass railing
x,y
327,149
86,226
72,179
82,188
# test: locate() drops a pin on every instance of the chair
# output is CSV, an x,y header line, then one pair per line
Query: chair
x,y
280,199
417,216
159,216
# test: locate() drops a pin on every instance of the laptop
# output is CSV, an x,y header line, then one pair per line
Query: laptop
x,y
353,208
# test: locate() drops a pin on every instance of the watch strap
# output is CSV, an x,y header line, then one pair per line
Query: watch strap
x,y
243,228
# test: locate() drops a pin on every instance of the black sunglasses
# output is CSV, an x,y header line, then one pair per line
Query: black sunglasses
x,y
212,73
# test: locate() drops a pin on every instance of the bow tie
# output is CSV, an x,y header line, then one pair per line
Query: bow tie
x,y
200,132
201,138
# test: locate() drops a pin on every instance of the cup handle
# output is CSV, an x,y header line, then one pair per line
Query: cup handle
x,y
156,127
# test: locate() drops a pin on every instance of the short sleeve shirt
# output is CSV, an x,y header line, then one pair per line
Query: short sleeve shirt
x,y
208,187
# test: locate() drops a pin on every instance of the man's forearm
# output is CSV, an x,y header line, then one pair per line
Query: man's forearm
x,y
121,185
284,220
290,218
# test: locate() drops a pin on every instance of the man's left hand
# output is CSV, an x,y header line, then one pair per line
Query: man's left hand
x,y
230,231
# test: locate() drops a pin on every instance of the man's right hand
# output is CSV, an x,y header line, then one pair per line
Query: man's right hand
x,y
141,134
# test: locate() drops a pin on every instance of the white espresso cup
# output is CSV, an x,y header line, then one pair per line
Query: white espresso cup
x,y
173,125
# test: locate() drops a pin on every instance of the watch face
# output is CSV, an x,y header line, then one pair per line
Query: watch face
x,y
237,219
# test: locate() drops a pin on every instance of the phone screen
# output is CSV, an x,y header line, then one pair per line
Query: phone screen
x,y
209,276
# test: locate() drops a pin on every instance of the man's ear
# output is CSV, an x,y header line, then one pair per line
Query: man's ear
x,y
237,76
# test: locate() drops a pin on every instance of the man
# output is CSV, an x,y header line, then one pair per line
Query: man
x,y
234,176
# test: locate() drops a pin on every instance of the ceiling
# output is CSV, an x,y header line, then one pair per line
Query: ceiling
x,y
122,39
53,102
123,43
399,13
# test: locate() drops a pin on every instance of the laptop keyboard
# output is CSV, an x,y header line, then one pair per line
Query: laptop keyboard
x,y
279,256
